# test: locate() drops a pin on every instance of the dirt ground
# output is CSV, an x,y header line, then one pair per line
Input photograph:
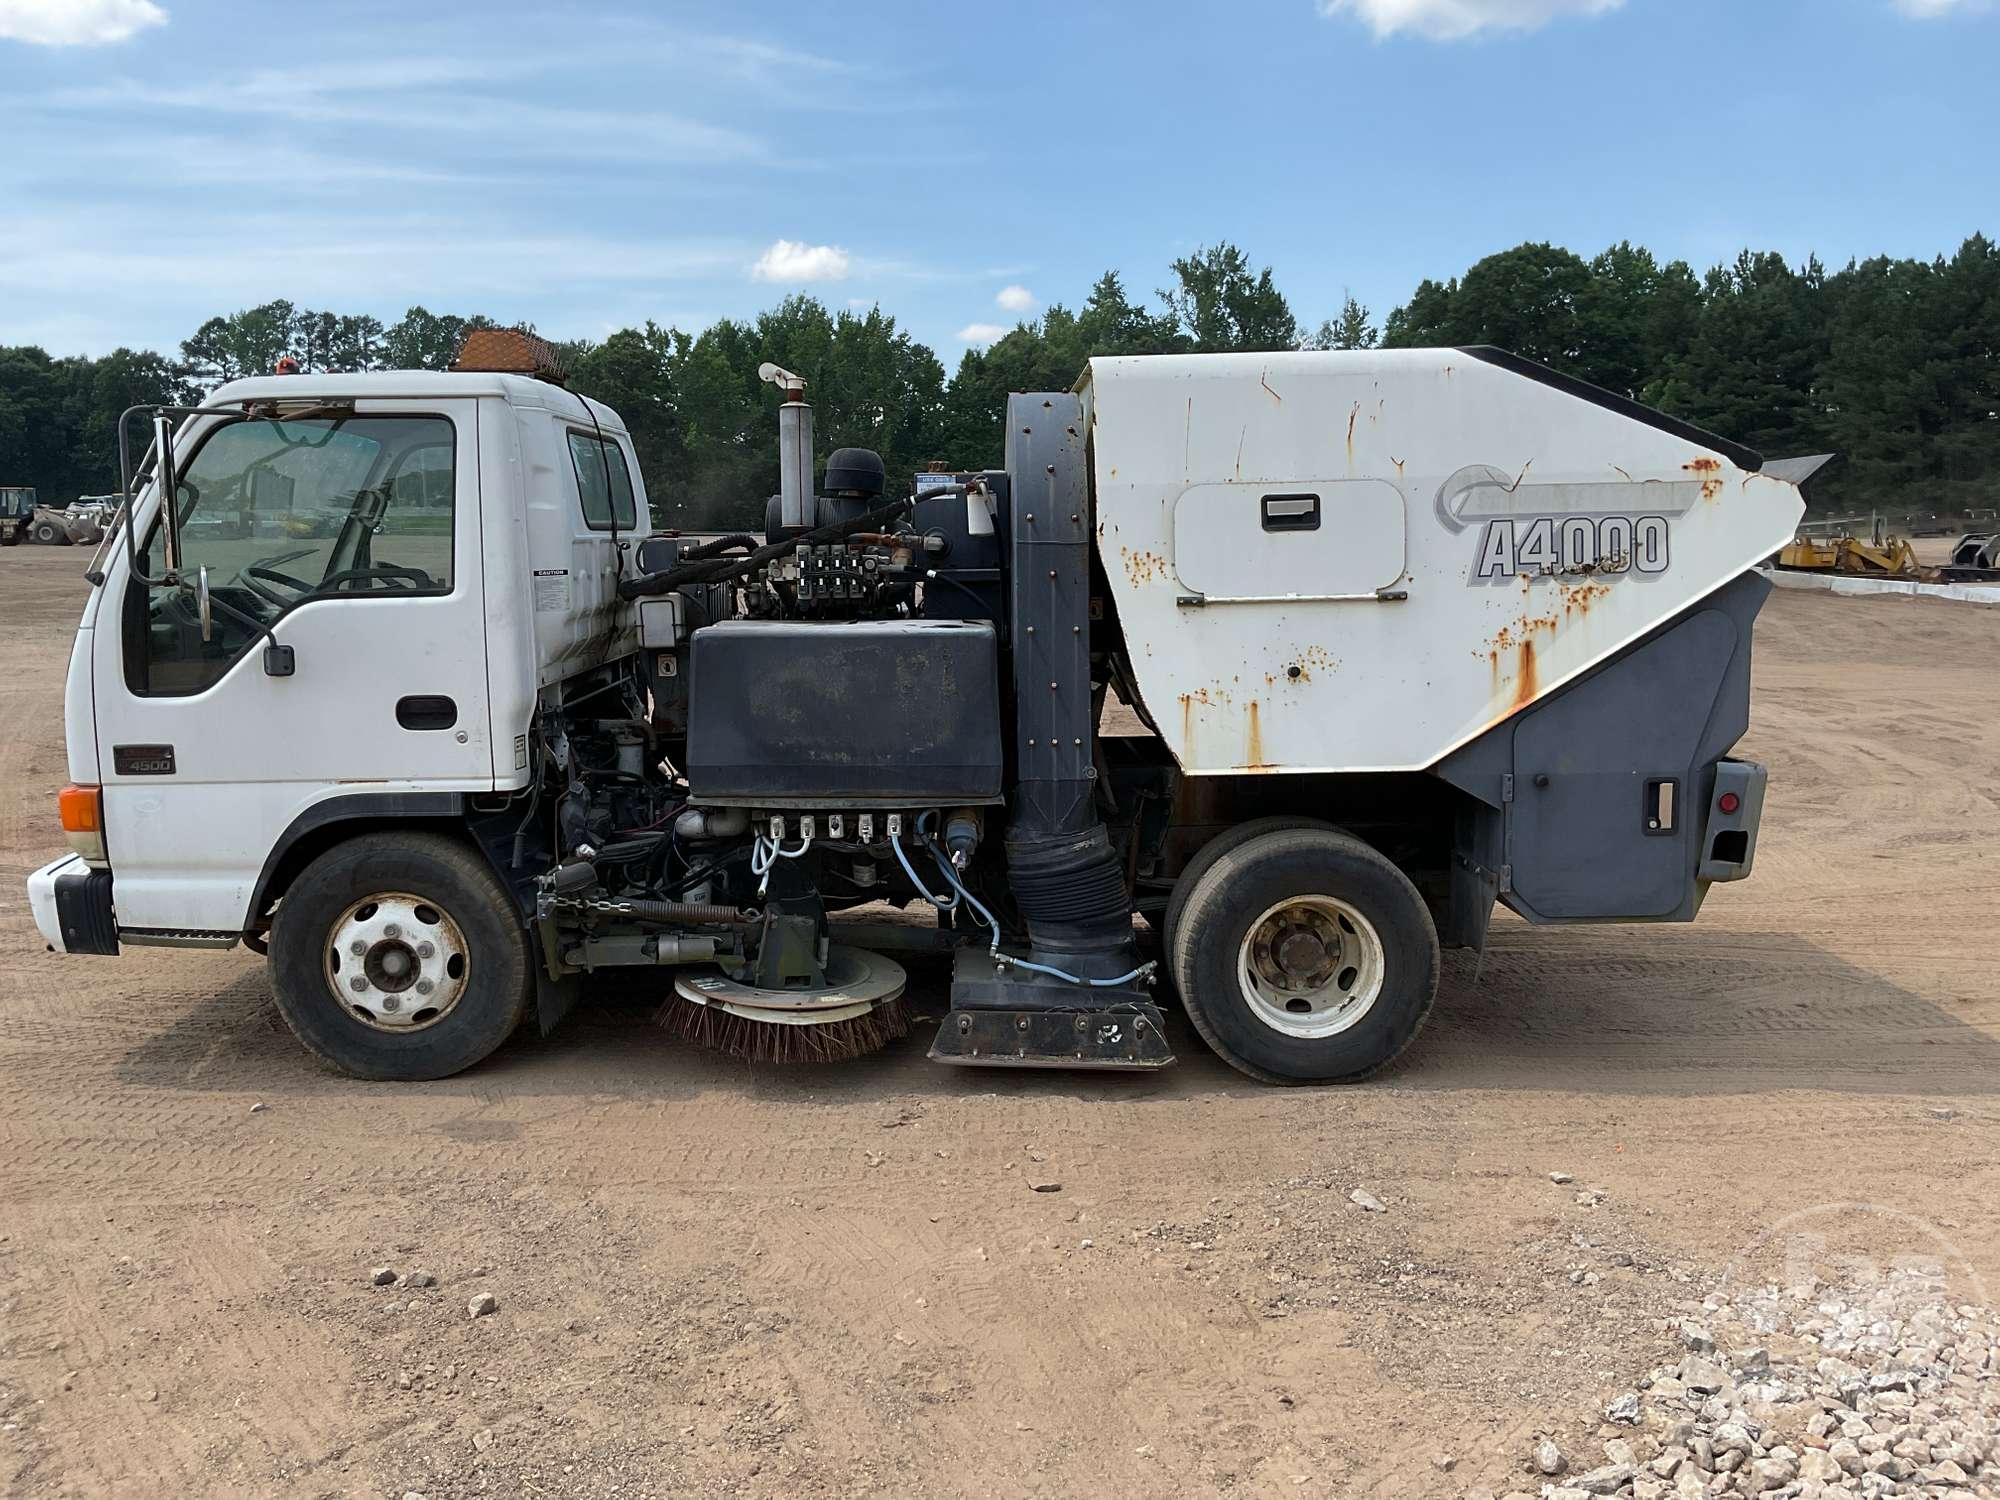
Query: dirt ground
x,y
841,1279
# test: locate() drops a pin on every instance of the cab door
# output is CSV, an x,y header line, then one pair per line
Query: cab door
x,y
351,539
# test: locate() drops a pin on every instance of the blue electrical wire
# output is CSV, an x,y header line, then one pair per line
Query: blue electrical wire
x,y
944,864
910,870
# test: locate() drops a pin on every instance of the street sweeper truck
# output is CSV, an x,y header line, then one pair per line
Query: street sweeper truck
x,y
1305,661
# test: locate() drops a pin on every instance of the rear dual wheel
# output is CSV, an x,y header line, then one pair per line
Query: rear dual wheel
x,y
1302,955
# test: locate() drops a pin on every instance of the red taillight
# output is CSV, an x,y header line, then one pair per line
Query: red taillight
x,y
1729,802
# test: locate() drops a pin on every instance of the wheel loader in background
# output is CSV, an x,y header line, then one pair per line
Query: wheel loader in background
x,y
1408,634
17,513
24,519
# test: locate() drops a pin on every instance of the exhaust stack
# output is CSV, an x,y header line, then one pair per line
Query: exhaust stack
x,y
795,447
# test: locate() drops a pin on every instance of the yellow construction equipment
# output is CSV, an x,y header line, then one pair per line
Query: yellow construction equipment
x,y
1883,556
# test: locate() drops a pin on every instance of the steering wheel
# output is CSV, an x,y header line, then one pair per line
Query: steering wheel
x,y
251,574
387,574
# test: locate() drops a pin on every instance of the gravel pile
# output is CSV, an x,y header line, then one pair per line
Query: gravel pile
x,y
1893,1389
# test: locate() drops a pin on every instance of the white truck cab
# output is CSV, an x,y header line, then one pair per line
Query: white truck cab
x,y
366,637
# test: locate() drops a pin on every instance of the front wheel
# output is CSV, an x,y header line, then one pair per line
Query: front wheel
x,y
399,956
49,534
1305,956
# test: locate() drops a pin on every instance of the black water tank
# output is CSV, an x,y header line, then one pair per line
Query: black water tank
x,y
823,714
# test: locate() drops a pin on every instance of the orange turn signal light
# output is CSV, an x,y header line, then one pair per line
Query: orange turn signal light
x,y
82,809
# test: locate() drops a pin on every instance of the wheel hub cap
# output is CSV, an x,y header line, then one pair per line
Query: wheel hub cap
x,y
1311,966
396,962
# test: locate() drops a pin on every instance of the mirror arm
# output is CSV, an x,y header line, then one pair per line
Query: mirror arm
x,y
127,480
170,516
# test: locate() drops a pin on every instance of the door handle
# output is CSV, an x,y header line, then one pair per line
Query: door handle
x,y
1291,512
426,711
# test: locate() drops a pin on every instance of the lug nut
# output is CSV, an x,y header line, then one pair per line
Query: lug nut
x,y
424,986
392,930
425,950
358,948
390,1002
358,985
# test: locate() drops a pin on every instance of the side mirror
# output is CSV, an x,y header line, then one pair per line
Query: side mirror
x,y
203,604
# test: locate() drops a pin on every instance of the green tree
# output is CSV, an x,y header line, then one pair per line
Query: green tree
x,y
706,428
1635,318
1220,306
1526,300
1048,354
1351,330
424,340
1753,366
58,417
249,342
637,372
1911,382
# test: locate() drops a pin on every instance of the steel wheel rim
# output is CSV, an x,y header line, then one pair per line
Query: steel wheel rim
x,y
1311,967
396,962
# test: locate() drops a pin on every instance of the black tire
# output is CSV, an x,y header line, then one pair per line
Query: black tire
x,y
1207,855
443,874
1273,867
48,534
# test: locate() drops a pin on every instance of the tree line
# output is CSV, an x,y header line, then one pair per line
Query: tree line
x,y
1894,363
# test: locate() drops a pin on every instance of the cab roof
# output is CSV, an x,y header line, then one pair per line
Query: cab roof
x,y
397,385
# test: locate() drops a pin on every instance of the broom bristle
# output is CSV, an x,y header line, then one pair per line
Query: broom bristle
x,y
778,1042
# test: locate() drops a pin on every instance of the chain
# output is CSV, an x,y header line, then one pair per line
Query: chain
x,y
602,905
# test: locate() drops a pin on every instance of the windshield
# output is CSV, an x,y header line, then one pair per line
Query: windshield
x,y
16,501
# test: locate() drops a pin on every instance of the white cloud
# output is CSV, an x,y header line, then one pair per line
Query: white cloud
x,y
1930,10
348,94
91,260
795,261
982,333
76,23
1015,298
1451,20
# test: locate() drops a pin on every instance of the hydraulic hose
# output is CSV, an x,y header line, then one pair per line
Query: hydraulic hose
x,y
727,569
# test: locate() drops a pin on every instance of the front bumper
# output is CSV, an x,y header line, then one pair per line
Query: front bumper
x,y
71,901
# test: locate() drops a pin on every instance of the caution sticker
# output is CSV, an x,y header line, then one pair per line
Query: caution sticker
x,y
551,589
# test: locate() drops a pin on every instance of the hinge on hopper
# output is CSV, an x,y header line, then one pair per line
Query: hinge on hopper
x,y
1506,787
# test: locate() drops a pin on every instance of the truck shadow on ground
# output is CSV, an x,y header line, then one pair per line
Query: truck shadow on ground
x,y
1606,1010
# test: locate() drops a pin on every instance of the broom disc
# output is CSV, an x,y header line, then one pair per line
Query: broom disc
x,y
858,1011
856,982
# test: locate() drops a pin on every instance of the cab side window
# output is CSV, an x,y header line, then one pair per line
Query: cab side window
x,y
602,482
284,511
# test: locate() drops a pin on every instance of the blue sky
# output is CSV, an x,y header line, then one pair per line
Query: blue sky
x,y
586,165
